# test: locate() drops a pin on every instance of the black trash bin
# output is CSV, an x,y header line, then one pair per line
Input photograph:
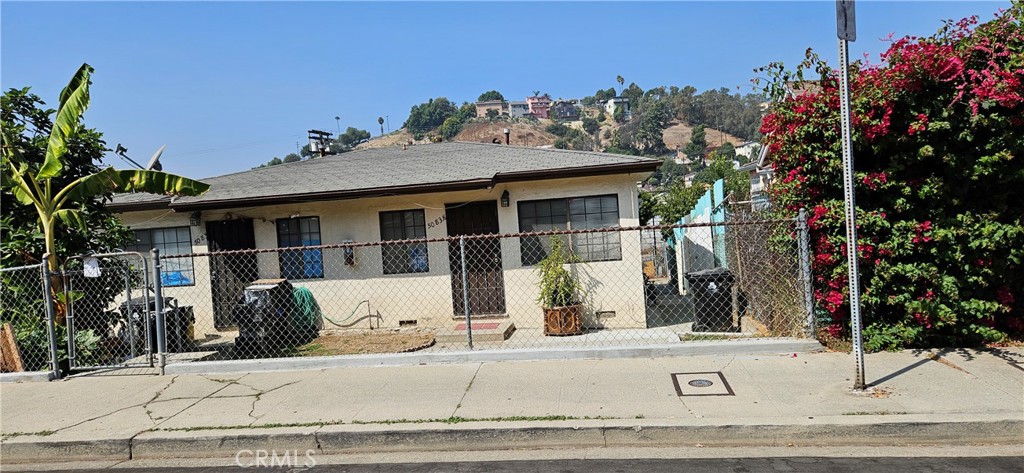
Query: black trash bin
x,y
712,300
176,319
264,316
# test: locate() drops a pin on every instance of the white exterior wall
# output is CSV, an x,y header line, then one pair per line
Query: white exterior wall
x,y
617,286
616,102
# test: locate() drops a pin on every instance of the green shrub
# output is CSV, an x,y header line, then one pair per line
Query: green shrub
x,y
939,184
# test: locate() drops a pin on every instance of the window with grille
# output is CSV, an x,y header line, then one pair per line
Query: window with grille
x,y
575,213
294,233
170,241
401,258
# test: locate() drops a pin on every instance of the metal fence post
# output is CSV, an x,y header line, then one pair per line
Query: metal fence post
x,y
465,291
805,269
69,316
128,312
161,336
51,315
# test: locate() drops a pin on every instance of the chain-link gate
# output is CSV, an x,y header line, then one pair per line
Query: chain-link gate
x,y
111,311
28,340
635,286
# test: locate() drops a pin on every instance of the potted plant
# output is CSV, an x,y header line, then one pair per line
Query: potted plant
x,y
560,292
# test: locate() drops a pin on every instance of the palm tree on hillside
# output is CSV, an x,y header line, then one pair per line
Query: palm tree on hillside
x,y
380,121
621,81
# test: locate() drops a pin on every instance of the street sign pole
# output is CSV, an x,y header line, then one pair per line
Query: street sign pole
x,y
846,31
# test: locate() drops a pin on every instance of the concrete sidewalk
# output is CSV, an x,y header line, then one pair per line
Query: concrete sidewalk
x,y
940,397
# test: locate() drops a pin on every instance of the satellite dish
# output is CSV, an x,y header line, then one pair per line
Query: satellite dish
x,y
154,162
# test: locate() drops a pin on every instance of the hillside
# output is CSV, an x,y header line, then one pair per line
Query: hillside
x,y
678,135
395,138
524,133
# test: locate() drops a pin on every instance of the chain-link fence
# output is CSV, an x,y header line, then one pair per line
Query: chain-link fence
x,y
25,338
583,288
110,315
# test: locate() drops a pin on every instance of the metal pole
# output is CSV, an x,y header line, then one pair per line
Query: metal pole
x,y
805,269
851,215
465,291
51,329
130,326
69,318
161,335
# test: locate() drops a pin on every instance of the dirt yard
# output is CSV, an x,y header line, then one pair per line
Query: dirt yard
x,y
521,134
357,342
395,138
678,136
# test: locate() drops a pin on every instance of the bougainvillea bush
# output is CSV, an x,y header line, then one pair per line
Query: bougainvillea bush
x,y
938,145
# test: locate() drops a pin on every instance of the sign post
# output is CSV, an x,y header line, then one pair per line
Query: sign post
x,y
846,30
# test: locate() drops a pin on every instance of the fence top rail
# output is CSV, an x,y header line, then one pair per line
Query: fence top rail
x,y
19,268
141,256
490,236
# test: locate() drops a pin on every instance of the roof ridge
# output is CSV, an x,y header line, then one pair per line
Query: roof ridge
x,y
272,166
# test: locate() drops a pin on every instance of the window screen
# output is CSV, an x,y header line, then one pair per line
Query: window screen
x,y
170,241
298,232
575,213
400,258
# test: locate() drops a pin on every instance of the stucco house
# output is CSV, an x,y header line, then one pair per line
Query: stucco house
x,y
761,173
518,109
482,107
539,105
564,110
400,193
617,102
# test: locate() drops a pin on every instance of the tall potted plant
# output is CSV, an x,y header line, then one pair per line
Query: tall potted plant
x,y
560,292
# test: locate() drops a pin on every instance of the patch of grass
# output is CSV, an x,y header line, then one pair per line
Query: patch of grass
x,y
313,349
449,420
41,433
692,337
460,420
257,426
878,413
834,344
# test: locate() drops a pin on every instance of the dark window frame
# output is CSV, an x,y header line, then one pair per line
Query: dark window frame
x,y
407,224
171,264
570,213
299,264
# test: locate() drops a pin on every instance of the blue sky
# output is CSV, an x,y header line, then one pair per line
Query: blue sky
x,y
228,86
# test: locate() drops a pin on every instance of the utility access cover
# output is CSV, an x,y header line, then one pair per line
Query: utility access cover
x,y
710,383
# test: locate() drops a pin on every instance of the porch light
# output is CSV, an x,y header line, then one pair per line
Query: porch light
x,y
194,218
504,198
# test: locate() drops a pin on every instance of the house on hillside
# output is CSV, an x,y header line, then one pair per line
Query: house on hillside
x,y
400,211
681,157
761,174
617,102
564,110
539,105
518,109
482,107
747,149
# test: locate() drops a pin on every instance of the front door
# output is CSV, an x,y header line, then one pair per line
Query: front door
x,y
230,274
484,277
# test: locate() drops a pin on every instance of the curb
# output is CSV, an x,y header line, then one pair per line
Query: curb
x,y
693,348
27,377
914,429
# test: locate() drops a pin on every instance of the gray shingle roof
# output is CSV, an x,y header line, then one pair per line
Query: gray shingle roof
x,y
420,168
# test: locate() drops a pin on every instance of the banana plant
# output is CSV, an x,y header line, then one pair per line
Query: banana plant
x,y
34,187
